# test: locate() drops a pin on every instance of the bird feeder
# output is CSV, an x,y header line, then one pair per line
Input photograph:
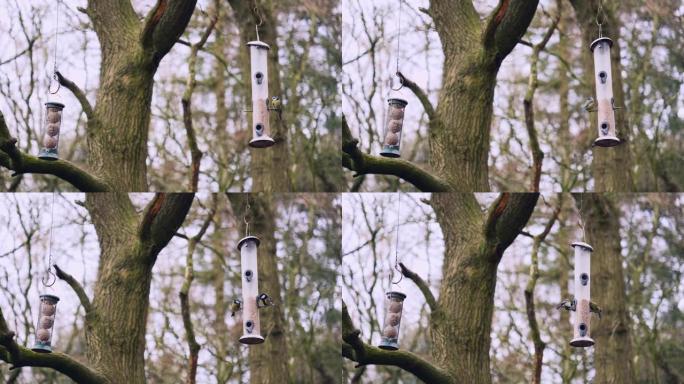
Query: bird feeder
x,y
258,52
605,103
581,335
394,305
251,331
395,122
46,322
53,122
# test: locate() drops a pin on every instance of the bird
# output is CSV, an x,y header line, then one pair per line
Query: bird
x,y
276,105
235,306
264,300
589,105
568,305
593,307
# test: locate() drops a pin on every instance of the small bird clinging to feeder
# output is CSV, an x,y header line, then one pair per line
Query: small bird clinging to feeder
x,y
264,300
235,306
276,105
571,305
589,105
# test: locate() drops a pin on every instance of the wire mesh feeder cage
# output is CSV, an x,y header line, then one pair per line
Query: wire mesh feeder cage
x,y
605,103
251,330
46,323
391,143
394,306
53,122
581,334
258,52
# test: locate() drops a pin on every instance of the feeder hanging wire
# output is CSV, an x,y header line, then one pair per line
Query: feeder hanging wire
x,y
49,277
401,85
257,14
246,216
600,17
396,244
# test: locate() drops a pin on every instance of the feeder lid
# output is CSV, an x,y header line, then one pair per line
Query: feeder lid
x,y
395,295
583,245
52,297
582,342
246,239
600,39
257,43
395,100
54,104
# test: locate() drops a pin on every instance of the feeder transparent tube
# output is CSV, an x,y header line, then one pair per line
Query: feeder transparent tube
x,y
607,133
391,144
394,307
251,330
258,53
53,123
46,323
581,328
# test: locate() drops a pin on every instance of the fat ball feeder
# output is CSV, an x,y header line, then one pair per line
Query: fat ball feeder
x,y
46,323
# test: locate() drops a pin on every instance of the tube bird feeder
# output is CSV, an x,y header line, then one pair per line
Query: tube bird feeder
x,y
581,334
251,331
258,52
46,323
395,122
605,103
53,122
394,305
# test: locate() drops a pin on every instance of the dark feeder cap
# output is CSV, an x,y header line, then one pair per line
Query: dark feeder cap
x,y
396,295
397,101
600,39
52,298
582,342
246,239
607,141
583,245
251,339
259,44
54,104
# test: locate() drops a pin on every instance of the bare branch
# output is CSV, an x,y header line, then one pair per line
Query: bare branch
x,y
162,217
507,24
421,284
77,287
507,217
420,94
78,93
164,24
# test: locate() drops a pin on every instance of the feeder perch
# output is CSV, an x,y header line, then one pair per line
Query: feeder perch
x,y
251,332
395,123
46,323
258,52
607,136
53,122
394,305
581,334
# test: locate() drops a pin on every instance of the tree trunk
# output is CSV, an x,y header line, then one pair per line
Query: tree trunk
x,y
270,166
267,362
613,356
611,167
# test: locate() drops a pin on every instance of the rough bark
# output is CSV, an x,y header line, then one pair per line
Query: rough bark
x,y
461,318
270,166
268,361
611,167
613,357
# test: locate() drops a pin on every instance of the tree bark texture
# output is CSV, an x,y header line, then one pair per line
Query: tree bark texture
x,y
613,351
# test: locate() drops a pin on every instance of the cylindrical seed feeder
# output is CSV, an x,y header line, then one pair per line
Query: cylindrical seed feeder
x,y
581,334
251,331
46,323
605,103
258,52
391,143
394,305
53,122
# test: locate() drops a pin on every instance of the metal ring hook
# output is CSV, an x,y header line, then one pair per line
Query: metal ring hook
x,y
401,83
49,278
401,275
59,86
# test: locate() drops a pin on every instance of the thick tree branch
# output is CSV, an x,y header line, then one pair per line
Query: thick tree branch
x,y
77,287
356,350
507,24
162,218
78,93
13,159
506,218
18,356
362,163
421,284
420,94
164,24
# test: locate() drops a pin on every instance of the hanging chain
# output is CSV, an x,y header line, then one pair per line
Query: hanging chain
x,y
600,17
54,55
49,278
398,47
245,218
261,20
396,243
